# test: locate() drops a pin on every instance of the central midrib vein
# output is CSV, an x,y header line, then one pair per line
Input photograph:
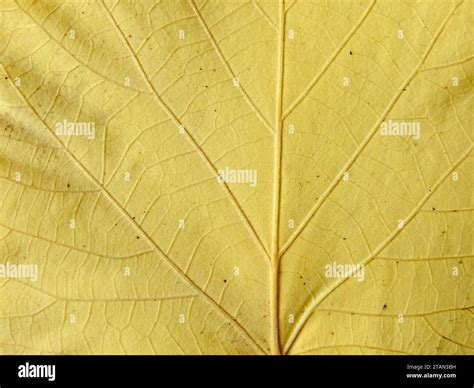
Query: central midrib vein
x,y
275,345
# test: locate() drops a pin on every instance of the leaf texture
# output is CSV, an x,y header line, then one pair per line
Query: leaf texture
x,y
143,246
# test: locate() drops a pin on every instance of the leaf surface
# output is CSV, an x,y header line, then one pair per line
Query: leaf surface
x,y
141,245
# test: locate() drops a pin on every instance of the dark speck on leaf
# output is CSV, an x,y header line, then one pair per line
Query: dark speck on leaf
x,y
350,52
385,306
225,280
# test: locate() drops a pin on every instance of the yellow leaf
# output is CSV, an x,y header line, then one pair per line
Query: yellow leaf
x,y
236,177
